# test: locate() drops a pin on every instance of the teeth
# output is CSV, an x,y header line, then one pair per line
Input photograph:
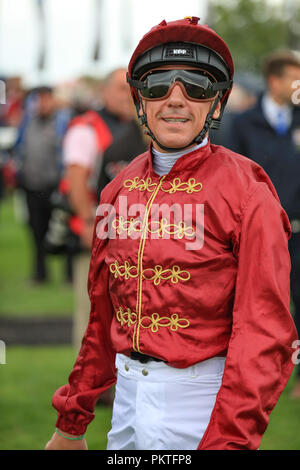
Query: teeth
x,y
176,120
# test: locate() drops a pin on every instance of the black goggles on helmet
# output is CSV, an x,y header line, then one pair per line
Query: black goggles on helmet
x,y
195,85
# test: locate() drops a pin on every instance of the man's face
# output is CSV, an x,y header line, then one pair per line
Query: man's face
x,y
175,120
281,87
45,104
116,96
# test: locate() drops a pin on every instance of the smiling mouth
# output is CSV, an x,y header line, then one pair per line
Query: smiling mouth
x,y
175,119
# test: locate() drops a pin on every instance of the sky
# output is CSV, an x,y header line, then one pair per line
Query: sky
x,y
71,29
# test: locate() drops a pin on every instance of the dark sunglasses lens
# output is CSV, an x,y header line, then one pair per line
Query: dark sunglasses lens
x,y
197,92
155,91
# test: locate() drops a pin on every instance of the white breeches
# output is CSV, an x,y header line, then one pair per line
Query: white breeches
x,y
158,407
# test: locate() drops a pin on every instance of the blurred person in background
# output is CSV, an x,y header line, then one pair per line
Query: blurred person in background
x,y
88,136
1,181
8,170
38,153
245,91
269,133
133,141
11,112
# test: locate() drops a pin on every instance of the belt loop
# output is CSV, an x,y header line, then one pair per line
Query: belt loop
x,y
194,372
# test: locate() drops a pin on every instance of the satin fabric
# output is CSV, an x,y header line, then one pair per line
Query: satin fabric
x,y
158,293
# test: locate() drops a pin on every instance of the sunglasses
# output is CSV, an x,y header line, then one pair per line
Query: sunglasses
x,y
158,85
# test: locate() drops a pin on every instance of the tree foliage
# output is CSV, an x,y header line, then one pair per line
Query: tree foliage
x,y
253,28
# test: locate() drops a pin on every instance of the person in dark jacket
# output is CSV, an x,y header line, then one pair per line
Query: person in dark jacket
x,y
245,91
121,152
269,134
38,149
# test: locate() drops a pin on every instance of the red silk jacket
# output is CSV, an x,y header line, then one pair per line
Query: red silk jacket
x,y
208,277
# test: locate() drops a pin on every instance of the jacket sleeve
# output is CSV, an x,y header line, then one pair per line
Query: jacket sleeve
x,y
259,358
94,370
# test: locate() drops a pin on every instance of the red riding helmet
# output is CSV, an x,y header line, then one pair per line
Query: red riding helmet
x,y
183,42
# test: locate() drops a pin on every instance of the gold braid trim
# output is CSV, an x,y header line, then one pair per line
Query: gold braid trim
x,y
126,317
156,274
173,274
136,334
140,184
159,227
130,226
154,322
173,322
162,227
190,186
124,270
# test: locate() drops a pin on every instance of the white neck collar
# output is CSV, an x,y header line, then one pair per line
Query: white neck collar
x,y
163,162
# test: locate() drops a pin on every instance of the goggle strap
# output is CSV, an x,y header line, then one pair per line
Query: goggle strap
x,y
219,86
135,83
143,118
208,122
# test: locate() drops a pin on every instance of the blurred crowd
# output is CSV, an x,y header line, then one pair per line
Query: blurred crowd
x,y
70,99
33,125
66,99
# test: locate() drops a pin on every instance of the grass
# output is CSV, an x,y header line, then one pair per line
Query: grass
x,y
17,296
28,380
283,430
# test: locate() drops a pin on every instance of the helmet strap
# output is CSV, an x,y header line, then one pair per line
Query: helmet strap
x,y
209,121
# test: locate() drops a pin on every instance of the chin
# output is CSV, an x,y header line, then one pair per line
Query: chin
x,y
174,143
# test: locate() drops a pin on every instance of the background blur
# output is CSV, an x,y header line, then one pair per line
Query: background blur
x,y
71,45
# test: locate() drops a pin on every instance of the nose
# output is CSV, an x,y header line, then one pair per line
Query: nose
x,y
176,96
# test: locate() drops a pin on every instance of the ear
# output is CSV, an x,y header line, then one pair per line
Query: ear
x,y
217,111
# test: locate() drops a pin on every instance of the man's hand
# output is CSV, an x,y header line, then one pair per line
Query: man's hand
x,y
58,442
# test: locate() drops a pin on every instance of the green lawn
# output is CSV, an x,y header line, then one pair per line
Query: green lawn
x,y
28,381
17,296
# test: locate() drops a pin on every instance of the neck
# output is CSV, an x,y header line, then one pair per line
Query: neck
x,y
278,99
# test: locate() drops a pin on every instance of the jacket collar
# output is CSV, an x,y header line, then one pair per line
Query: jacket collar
x,y
186,162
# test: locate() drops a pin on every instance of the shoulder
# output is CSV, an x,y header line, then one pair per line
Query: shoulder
x,y
80,146
79,132
246,188
244,174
